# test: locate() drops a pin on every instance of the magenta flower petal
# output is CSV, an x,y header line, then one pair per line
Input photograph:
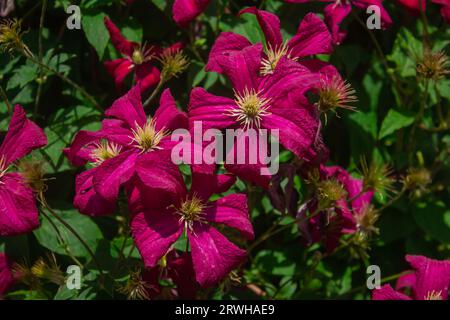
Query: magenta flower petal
x,y
334,15
77,154
232,211
213,255
181,270
128,108
6,275
147,76
87,200
312,38
210,109
386,20
184,11
432,277
119,69
205,185
406,281
225,44
120,43
154,233
168,116
387,293
18,211
23,137
243,68
114,172
270,25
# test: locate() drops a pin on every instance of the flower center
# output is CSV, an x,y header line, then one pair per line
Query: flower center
x,y
191,211
250,109
105,150
147,137
434,295
273,57
141,54
3,168
335,93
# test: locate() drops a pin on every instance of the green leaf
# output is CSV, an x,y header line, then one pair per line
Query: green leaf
x,y
22,76
83,225
434,219
393,121
95,31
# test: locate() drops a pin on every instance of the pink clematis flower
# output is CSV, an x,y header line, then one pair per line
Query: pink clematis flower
x,y
156,225
6,275
312,38
129,145
138,58
184,11
328,226
338,10
413,7
429,281
18,211
275,101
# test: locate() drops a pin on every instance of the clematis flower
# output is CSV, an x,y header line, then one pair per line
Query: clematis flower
x,y
184,11
430,280
312,38
413,7
6,7
343,208
275,101
138,58
6,275
18,211
128,144
338,10
157,225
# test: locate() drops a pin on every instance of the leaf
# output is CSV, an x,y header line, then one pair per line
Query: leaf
x,y
434,219
95,31
22,76
83,225
393,121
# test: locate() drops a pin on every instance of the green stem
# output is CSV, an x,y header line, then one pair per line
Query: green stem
x,y
417,122
5,98
40,57
154,93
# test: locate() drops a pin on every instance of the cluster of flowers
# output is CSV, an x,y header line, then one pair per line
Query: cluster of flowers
x,y
132,152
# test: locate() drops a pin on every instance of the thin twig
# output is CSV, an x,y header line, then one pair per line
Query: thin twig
x,y
5,98
40,57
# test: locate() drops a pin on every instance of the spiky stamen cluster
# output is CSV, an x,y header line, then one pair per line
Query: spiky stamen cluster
x,y
329,191
250,108
191,211
173,62
433,65
147,138
366,219
33,173
136,288
434,295
273,57
142,54
105,150
417,178
3,168
377,177
11,36
48,270
335,93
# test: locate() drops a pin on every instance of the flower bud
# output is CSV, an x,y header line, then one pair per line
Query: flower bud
x,y
433,65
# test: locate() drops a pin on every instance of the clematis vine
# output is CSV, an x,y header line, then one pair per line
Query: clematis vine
x,y
157,225
312,38
6,274
429,280
338,10
129,145
139,58
18,211
341,206
276,101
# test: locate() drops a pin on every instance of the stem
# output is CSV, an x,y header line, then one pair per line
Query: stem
x,y
398,196
40,57
31,57
5,97
154,93
417,122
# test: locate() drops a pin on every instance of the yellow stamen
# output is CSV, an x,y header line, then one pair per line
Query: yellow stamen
x,y
105,150
434,295
191,211
273,57
142,54
3,168
250,108
147,138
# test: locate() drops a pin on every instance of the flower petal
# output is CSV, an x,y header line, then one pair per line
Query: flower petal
x,y
231,210
120,43
18,211
147,76
128,108
184,11
205,185
6,275
334,15
387,293
213,255
23,137
119,69
168,116
270,25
